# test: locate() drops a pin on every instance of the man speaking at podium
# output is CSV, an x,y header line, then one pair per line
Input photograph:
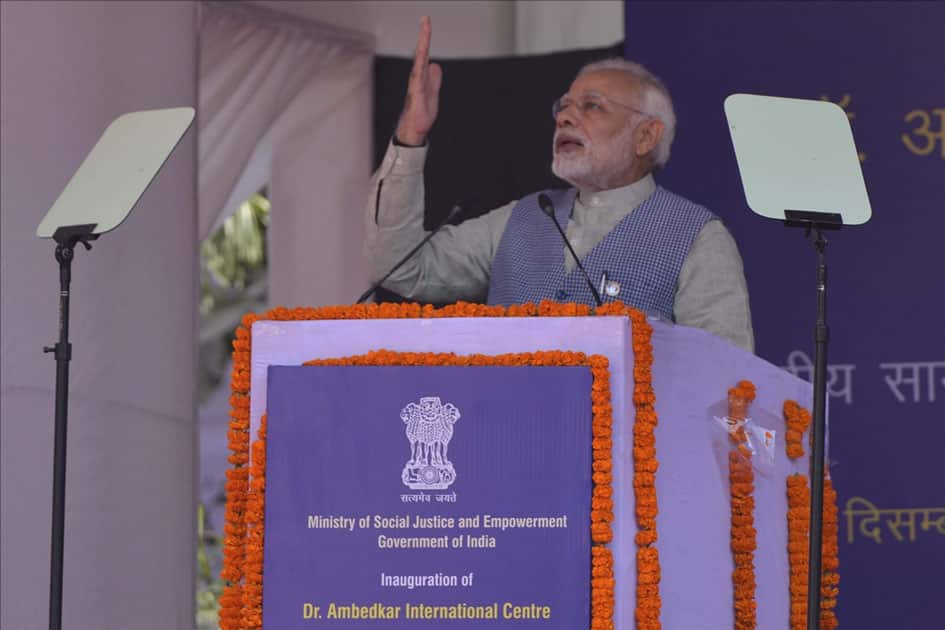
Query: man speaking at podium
x,y
638,242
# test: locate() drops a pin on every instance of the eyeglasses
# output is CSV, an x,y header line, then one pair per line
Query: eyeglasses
x,y
591,105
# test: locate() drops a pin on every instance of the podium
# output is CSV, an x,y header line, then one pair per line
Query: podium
x,y
691,373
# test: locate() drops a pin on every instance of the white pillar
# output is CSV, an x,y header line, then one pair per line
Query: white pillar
x,y
68,69
318,179
544,26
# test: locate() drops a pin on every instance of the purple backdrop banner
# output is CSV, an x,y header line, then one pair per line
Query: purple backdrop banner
x,y
393,491
883,63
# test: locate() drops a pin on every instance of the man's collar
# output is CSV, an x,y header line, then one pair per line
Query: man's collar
x,y
625,196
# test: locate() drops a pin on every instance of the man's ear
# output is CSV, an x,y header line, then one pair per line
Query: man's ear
x,y
649,134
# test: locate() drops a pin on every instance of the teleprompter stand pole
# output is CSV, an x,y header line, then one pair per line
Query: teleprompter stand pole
x,y
814,223
66,238
821,338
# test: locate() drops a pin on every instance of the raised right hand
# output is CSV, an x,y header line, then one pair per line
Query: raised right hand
x,y
423,92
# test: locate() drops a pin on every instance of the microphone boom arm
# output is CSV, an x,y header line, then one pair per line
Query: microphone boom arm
x,y
548,208
455,212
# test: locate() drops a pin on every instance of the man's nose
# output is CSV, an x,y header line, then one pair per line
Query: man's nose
x,y
566,117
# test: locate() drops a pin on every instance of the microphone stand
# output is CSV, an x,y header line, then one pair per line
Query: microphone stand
x,y
455,212
548,208
67,238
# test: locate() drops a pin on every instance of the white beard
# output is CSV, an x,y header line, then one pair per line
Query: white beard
x,y
599,167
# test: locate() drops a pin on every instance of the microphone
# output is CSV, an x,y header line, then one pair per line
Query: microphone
x,y
549,208
455,212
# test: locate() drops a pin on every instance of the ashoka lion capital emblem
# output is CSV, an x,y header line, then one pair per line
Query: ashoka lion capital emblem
x,y
429,430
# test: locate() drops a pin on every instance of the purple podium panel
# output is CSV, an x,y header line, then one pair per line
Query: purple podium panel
x,y
692,372
414,496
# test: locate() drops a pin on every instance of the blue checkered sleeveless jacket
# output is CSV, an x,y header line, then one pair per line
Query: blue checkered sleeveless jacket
x,y
641,256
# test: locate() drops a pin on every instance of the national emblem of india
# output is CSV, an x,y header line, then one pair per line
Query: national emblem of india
x,y
429,431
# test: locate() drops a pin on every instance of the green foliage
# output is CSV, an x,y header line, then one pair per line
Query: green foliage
x,y
233,265
209,582
234,257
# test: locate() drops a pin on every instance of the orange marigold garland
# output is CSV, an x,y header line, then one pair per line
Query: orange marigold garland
x,y
241,602
830,559
237,484
645,465
649,604
798,420
255,522
742,479
798,516
602,503
799,556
